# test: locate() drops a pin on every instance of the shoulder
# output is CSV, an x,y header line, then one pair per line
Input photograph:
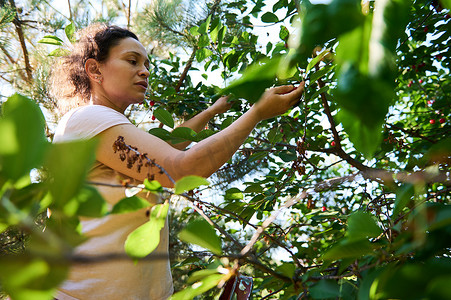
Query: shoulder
x,y
86,122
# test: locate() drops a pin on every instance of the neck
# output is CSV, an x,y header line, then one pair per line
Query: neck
x,y
103,100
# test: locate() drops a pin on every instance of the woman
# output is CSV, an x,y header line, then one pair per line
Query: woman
x,y
106,72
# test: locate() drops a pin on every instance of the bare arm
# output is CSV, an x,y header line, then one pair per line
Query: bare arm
x,y
198,122
204,158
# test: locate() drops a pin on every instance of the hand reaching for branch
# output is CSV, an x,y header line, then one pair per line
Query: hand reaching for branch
x,y
220,106
278,100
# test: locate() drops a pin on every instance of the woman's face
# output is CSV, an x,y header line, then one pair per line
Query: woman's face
x,y
125,73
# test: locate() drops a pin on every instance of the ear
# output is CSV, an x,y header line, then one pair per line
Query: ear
x,y
92,68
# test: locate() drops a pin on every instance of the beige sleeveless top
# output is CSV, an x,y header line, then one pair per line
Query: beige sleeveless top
x,y
118,278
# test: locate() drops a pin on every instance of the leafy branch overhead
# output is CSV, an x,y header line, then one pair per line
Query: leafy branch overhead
x,y
345,196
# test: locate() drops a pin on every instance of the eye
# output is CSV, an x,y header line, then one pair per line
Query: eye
x,y
132,61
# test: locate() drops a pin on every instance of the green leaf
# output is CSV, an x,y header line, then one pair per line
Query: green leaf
x,y
439,151
164,117
361,225
322,90
198,288
446,4
258,156
78,157
201,233
203,28
365,84
254,81
274,135
90,203
284,34
24,277
194,31
130,204
418,280
214,32
269,17
59,52
145,239
204,134
321,23
203,42
367,98
221,34
233,194
199,275
189,183
160,133
3,227
254,188
202,54
348,249
288,155
153,186
70,32
365,139
184,133
325,289
51,40
287,269
22,135
316,60
403,197
313,76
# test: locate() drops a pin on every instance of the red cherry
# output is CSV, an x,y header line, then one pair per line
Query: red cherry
x,y
323,208
420,81
296,119
430,102
410,83
432,121
151,103
439,57
153,118
332,143
442,120
425,29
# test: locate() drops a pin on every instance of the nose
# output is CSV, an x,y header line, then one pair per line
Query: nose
x,y
144,73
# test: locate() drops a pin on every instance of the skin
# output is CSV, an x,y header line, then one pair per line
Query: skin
x,y
122,83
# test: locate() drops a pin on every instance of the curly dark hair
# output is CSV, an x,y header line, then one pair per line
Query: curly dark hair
x,y
69,83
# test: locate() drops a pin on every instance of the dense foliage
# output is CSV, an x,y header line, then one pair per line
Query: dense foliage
x,y
345,196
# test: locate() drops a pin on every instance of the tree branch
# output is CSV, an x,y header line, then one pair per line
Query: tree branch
x,y
186,69
193,54
18,25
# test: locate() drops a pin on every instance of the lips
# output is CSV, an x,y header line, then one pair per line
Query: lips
x,y
143,84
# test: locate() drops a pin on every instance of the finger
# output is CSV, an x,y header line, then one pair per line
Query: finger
x,y
283,89
296,93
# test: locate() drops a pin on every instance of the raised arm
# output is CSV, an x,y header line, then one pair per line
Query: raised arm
x,y
204,158
198,122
